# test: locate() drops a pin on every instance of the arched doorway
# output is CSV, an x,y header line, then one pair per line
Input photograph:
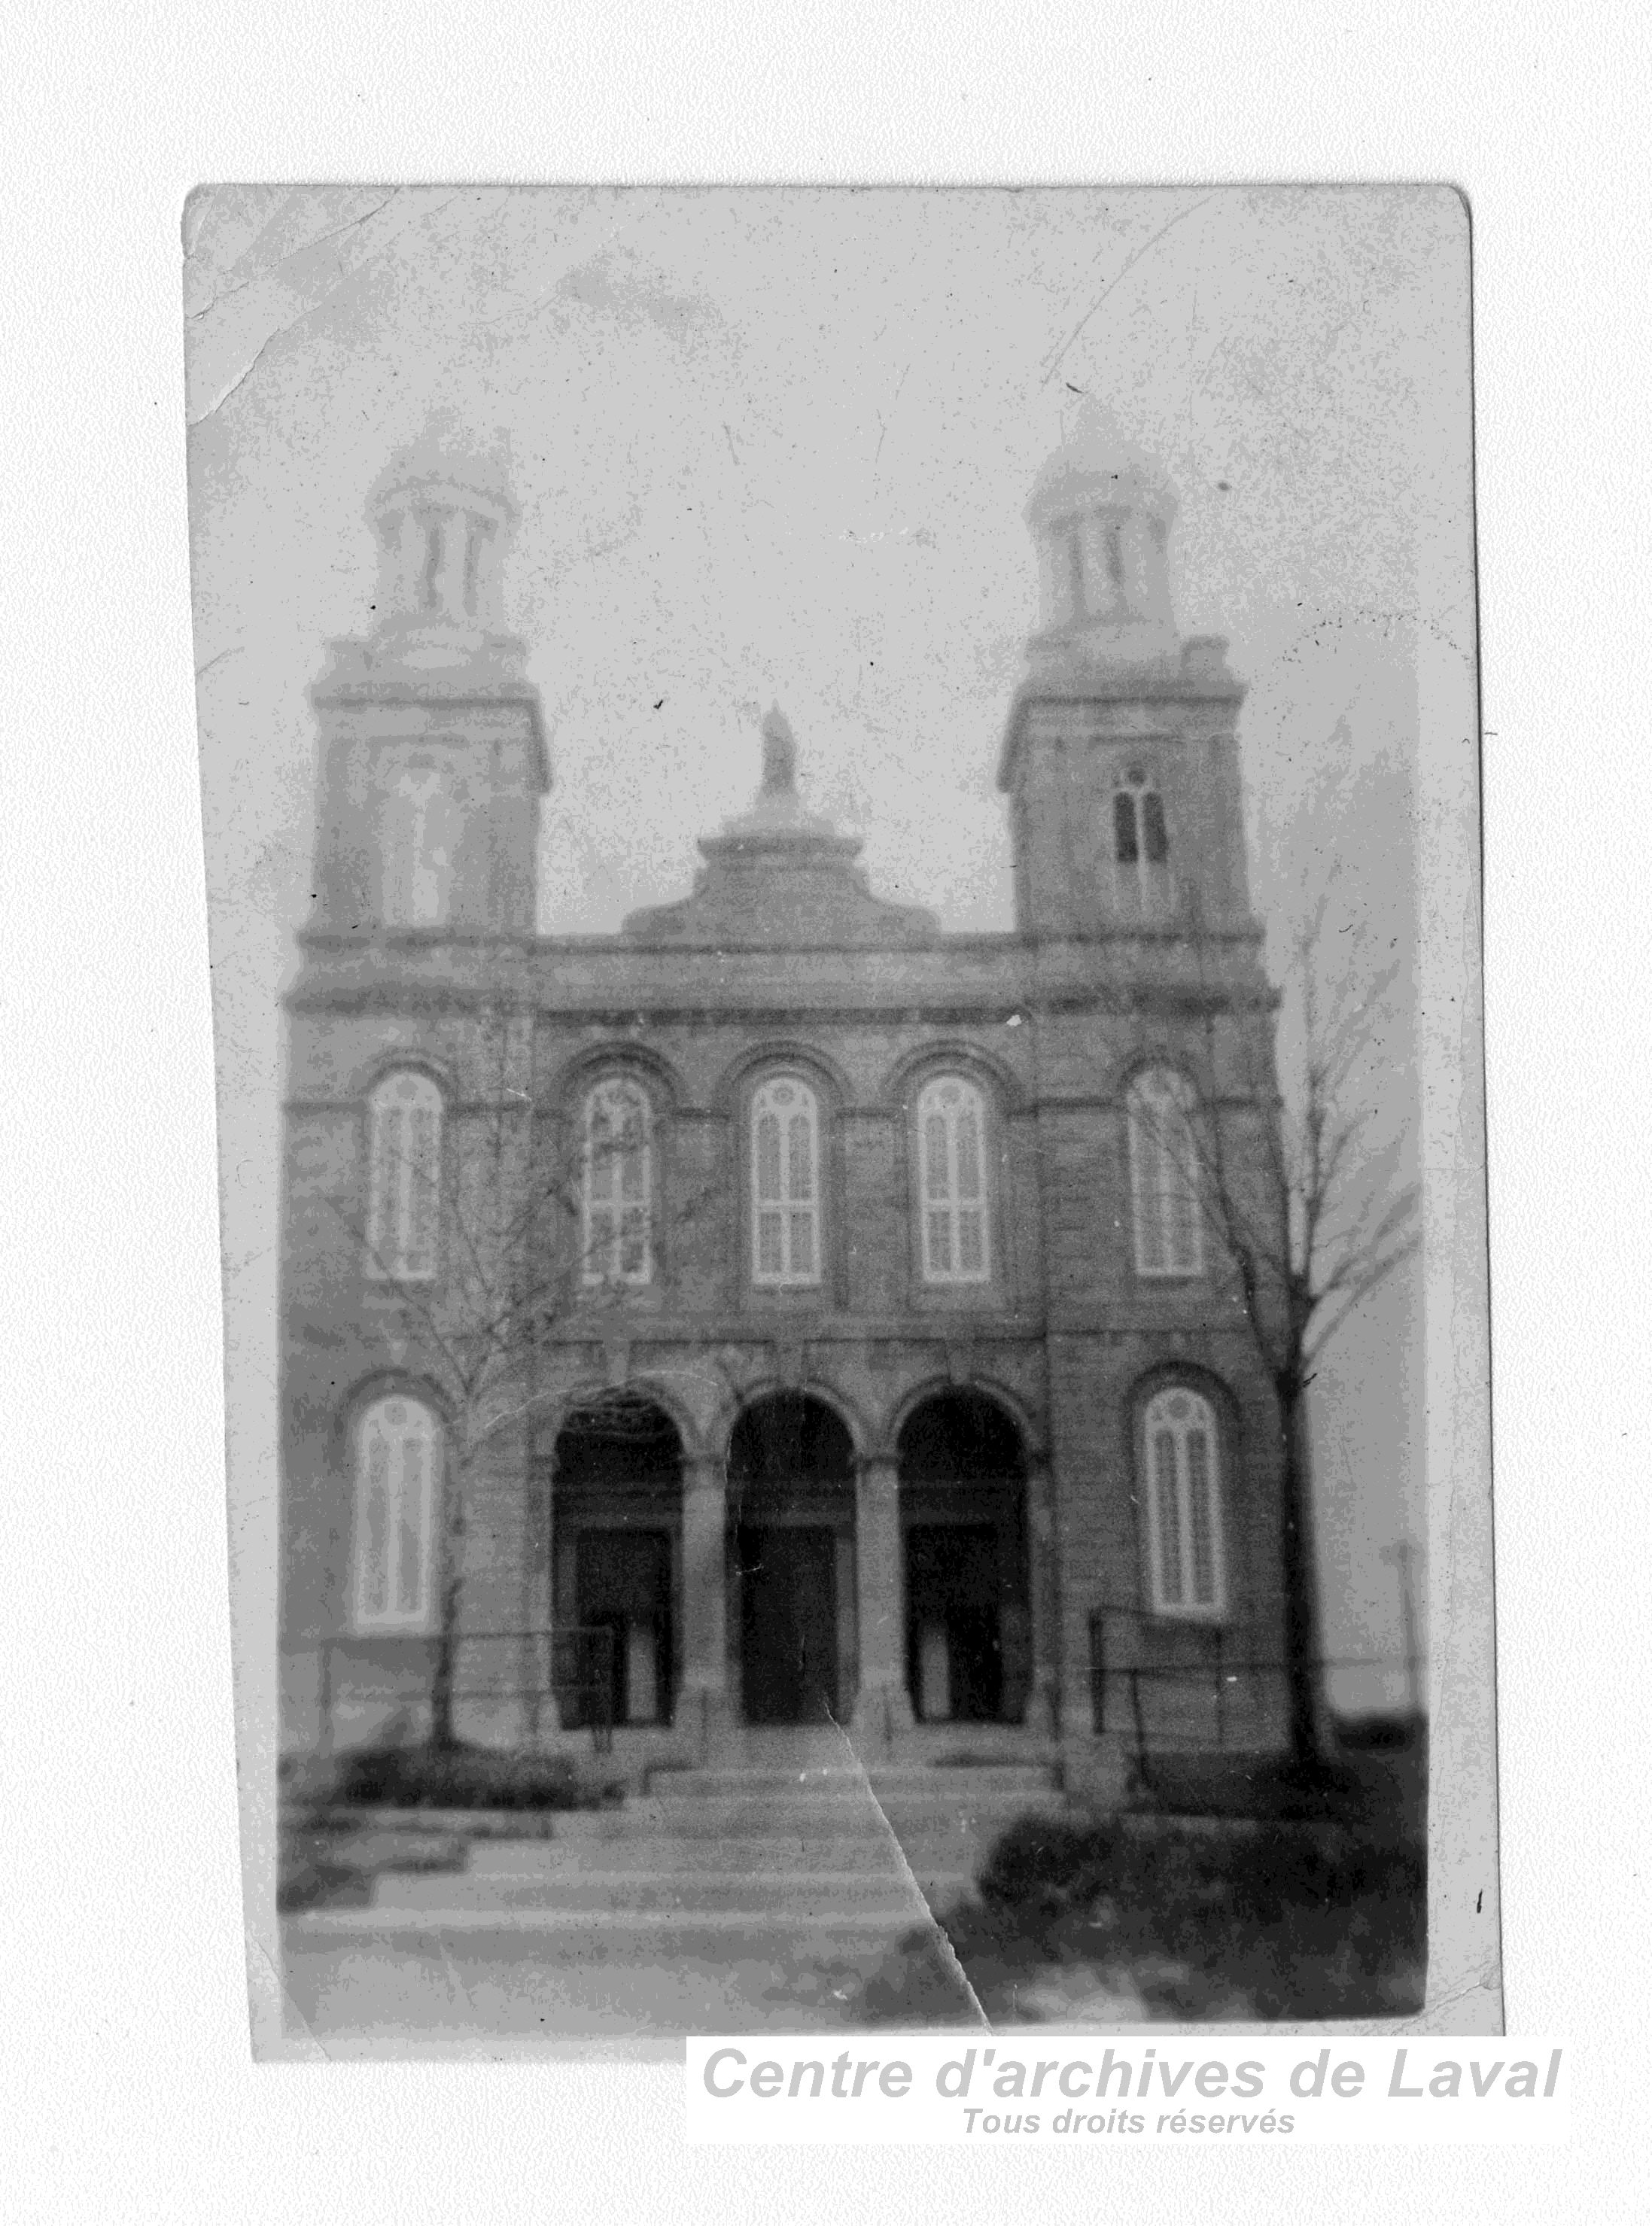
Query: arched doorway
x,y
791,1519
616,1546
964,1535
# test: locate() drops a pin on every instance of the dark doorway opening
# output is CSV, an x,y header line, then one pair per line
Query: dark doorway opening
x,y
789,1624
955,1646
964,1528
615,1523
791,1507
624,1586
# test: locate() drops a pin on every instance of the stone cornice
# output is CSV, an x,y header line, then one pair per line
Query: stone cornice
x,y
1181,688
1123,1001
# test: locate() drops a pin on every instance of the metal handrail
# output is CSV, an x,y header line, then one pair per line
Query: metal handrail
x,y
572,1664
1224,1667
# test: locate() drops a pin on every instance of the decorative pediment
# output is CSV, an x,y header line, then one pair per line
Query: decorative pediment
x,y
781,875
767,891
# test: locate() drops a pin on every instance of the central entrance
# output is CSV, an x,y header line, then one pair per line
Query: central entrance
x,y
792,1561
788,1596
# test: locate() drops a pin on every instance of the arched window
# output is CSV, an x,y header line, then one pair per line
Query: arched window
x,y
1185,1506
785,1184
619,1186
405,1177
951,1150
1141,874
399,1448
1164,1186
417,839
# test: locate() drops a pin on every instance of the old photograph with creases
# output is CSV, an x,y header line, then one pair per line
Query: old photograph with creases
x,y
841,831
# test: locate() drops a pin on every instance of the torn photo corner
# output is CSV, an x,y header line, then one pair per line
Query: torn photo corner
x,y
842,835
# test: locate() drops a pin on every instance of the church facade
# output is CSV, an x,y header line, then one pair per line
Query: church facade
x,y
780,1312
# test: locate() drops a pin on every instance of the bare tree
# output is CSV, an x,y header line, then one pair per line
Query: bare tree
x,y
1312,1213
535,1221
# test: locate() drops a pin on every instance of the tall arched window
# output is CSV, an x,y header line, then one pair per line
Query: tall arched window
x,y
1141,874
417,839
785,1184
405,1177
951,1149
398,1449
619,1186
1164,1187
1185,1506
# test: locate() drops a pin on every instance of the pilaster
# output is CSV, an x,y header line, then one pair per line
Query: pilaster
x,y
882,1705
704,1708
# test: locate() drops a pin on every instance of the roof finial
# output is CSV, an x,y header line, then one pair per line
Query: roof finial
x,y
780,754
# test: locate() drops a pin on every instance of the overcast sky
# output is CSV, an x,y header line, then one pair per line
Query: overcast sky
x,y
777,446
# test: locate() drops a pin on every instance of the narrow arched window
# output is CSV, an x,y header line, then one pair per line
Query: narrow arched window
x,y
785,1184
952,1173
1073,545
619,1186
1164,1186
416,835
398,1452
1141,875
405,1177
1185,1506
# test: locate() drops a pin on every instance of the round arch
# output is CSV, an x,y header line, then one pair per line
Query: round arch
x,y
1147,1060
1014,1409
782,1054
950,1055
720,1428
408,1059
569,1083
387,1383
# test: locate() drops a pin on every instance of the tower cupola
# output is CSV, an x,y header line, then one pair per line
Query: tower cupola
x,y
1121,757
1100,515
440,539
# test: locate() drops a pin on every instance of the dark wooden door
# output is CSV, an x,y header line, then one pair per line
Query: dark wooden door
x,y
789,1624
953,1579
624,1586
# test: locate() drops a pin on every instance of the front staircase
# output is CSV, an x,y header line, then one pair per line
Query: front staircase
x,y
788,1861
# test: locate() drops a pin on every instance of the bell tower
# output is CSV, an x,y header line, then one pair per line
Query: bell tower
x,y
433,754
1121,757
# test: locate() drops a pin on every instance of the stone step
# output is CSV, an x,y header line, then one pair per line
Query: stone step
x,y
1006,1781
591,1937
795,1901
924,1822
918,1794
865,1853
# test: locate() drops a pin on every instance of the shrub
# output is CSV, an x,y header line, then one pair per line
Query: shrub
x,y
462,1778
1294,1922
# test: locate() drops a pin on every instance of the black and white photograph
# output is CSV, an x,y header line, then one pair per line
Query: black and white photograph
x,y
827,814
825,1228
